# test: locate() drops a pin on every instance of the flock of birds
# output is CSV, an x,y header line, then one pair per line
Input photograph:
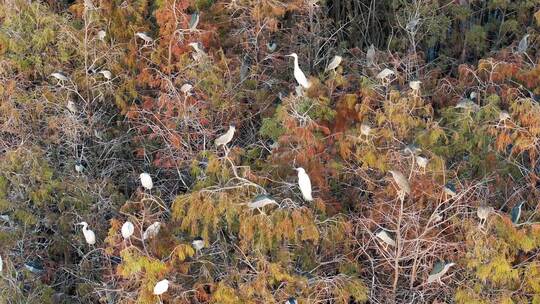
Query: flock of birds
x,y
304,183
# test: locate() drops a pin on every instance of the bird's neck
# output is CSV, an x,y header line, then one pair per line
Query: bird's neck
x,y
296,66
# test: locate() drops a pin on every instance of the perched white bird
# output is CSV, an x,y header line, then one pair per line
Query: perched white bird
x,y
226,138
304,183
101,35
298,74
89,235
106,73
152,231
161,287
334,63
523,44
439,270
422,161
72,107
370,56
186,88
415,85
198,243
146,181
60,77
385,236
365,129
144,37
194,21
1,264
384,74
401,181
127,230
79,167
503,115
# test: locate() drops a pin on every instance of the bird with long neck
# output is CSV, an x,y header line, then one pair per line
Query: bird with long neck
x,y
298,74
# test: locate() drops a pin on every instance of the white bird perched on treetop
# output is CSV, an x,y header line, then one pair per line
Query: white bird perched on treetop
x,y
72,107
198,243
439,270
152,231
60,77
146,181
127,230
186,88
226,138
106,73
385,236
415,85
161,287
304,183
384,74
101,35
401,181
194,21
144,37
370,55
523,44
298,74
336,61
89,235
483,213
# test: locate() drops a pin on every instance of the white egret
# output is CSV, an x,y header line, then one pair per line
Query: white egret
x,y
298,74
198,243
523,44
515,213
194,21
386,237
146,181
483,213
127,230
144,37
106,73
186,88
334,63
226,138
260,201
438,271
304,183
161,287
384,74
401,181
72,107
1,264
89,235
291,300
101,35
152,231
370,56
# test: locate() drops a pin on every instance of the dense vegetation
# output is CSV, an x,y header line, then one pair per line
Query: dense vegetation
x,y
129,106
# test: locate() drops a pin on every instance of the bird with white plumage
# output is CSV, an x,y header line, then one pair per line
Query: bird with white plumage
x,y
89,235
161,287
298,73
127,230
226,138
304,183
336,61
146,181
402,182
106,73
